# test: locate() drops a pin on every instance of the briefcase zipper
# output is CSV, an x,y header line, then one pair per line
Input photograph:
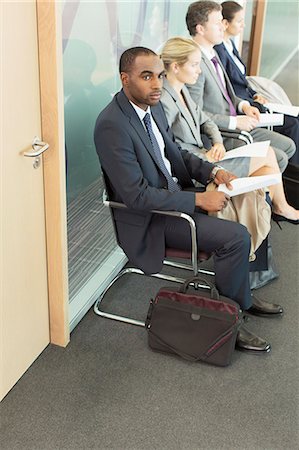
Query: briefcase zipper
x,y
219,343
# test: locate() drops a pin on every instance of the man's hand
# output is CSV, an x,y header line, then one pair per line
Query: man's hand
x,y
222,176
216,153
211,201
260,99
251,111
246,123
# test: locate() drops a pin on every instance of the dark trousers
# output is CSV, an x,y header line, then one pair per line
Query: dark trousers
x,y
230,244
290,128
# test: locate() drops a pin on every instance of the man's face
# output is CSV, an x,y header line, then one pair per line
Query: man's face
x,y
213,30
143,84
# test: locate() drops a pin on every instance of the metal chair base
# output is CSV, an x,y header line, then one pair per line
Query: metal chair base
x,y
187,267
97,305
193,267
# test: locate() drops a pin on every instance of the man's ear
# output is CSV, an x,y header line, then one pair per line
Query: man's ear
x,y
225,23
200,29
124,78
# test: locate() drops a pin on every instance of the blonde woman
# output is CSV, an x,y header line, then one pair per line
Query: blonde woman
x,y
181,58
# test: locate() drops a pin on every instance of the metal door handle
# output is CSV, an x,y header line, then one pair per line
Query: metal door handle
x,y
39,147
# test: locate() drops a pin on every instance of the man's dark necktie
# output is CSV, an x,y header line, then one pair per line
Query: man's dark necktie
x,y
232,109
172,185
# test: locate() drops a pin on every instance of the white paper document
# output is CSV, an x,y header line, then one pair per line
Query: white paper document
x,y
247,184
290,110
270,119
255,149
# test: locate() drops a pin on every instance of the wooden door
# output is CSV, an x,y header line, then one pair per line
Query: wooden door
x,y
24,309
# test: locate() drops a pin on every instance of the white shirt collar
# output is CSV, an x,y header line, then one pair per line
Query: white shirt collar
x,y
208,53
229,46
140,112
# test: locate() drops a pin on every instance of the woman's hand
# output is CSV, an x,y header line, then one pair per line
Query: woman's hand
x,y
216,153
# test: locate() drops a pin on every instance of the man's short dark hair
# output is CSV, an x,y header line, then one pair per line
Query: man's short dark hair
x,y
128,57
198,14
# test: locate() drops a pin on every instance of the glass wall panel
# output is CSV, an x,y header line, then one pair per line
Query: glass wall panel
x,y
94,36
281,35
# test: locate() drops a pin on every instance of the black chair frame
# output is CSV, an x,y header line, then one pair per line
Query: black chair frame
x,y
237,134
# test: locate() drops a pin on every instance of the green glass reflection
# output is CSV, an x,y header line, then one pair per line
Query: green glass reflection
x,y
95,34
281,35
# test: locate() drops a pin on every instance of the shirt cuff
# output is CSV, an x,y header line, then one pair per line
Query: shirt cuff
x,y
232,123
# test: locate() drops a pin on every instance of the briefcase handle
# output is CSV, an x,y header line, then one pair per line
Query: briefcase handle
x,y
214,291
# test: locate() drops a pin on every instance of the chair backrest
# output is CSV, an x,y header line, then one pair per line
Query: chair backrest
x,y
194,255
107,187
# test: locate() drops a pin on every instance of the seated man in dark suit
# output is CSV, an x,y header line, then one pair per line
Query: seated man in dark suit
x,y
148,170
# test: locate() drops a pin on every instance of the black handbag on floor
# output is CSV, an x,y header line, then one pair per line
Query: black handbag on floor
x,y
192,324
290,179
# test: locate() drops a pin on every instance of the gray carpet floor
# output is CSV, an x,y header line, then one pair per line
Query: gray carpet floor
x,y
108,390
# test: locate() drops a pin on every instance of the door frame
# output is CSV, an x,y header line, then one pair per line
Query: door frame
x,y
52,123
256,37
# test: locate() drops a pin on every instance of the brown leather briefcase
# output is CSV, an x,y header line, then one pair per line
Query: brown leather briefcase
x,y
193,325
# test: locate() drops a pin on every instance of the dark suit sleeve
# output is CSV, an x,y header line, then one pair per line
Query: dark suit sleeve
x,y
128,177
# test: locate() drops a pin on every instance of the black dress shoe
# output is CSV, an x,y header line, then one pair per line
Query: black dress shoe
x,y
249,342
261,308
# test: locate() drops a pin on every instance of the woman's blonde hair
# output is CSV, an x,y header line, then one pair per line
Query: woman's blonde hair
x,y
177,49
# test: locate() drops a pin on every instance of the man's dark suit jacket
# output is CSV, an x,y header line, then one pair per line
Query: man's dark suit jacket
x,y
237,78
128,160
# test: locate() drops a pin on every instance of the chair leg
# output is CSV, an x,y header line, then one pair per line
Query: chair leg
x,y
187,267
129,320
107,315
